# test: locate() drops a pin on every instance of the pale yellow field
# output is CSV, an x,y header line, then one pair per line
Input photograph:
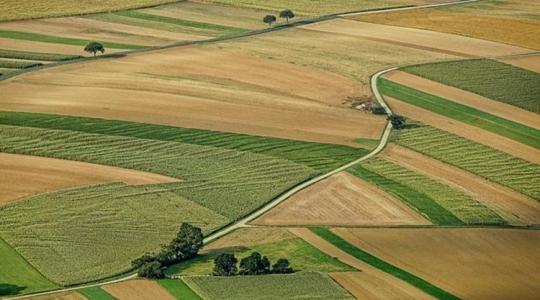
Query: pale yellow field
x,y
470,263
138,290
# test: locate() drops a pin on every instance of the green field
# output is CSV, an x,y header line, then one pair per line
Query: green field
x,y
88,233
95,293
489,78
268,287
13,64
36,56
440,203
301,255
478,159
418,282
17,276
179,289
196,27
472,116
37,37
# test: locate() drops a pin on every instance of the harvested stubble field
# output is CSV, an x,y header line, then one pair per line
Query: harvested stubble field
x,y
471,263
478,159
345,200
528,62
269,287
469,115
36,55
199,87
489,78
138,290
49,174
510,21
272,242
441,203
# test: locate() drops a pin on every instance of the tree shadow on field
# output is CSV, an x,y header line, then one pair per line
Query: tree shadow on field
x,y
7,289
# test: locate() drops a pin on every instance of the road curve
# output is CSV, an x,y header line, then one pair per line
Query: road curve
x,y
243,222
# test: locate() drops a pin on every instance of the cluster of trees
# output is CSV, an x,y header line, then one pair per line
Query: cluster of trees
x,y
398,122
285,14
225,264
184,246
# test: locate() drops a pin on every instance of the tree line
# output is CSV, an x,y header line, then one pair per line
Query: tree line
x,y
285,14
225,264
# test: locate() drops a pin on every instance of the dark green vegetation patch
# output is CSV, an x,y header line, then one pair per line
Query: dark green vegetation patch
x,y
268,287
497,166
489,78
382,265
472,116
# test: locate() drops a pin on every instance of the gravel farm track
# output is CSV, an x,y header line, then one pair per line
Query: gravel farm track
x,y
255,214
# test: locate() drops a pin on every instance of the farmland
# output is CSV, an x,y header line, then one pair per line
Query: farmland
x,y
179,289
489,78
138,290
504,261
301,285
478,159
512,21
95,293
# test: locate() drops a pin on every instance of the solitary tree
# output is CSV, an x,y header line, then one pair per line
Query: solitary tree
x,y
152,270
287,14
225,265
282,267
398,122
269,19
254,265
94,47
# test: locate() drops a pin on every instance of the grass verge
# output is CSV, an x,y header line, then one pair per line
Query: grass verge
x,y
374,261
178,289
468,115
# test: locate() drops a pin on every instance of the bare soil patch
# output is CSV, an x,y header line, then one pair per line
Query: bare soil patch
x,y
457,45
513,206
202,88
476,263
138,290
24,175
467,131
383,280
506,111
342,199
529,62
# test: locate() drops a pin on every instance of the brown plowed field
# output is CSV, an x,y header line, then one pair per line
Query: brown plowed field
x,y
515,207
428,40
496,108
342,199
382,279
467,131
23,175
529,62
137,290
202,88
365,286
477,263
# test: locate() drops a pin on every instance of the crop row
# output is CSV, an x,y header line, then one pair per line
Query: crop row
x,y
291,286
489,78
92,232
321,157
478,159
36,55
459,204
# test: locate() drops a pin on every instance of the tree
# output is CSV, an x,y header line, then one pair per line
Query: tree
x,y
254,265
398,122
152,270
137,263
225,265
282,267
269,19
94,47
186,245
287,14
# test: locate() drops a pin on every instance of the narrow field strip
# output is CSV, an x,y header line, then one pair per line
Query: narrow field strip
x,y
502,168
95,293
179,289
492,79
28,36
138,289
382,265
18,276
13,64
36,55
215,28
454,201
516,131
322,157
